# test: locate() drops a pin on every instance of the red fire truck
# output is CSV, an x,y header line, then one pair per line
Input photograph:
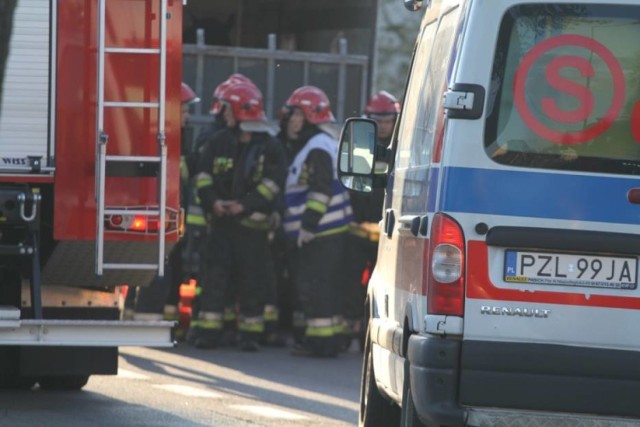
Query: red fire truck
x,y
89,181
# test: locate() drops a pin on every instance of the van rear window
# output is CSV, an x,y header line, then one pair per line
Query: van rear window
x,y
565,89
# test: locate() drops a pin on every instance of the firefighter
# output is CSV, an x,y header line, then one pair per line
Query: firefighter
x,y
364,233
240,174
160,299
196,219
316,217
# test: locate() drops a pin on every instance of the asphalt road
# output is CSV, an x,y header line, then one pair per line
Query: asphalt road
x,y
190,387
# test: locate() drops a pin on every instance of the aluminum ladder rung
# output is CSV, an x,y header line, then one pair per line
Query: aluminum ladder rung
x,y
129,104
140,212
116,158
117,266
134,50
102,138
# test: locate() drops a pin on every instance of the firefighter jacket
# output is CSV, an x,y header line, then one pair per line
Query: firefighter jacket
x,y
196,217
315,200
252,173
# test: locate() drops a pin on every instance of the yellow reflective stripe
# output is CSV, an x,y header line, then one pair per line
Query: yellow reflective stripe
x,y
184,170
264,191
317,206
170,312
271,313
275,188
209,315
258,225
319,197
206,324
196,219
333,231
229,316
326,331
271,316
203,182
251,327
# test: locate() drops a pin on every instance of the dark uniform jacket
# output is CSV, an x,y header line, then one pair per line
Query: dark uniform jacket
x,y
252,173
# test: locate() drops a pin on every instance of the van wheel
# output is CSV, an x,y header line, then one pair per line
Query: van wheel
x,y
63,382
375,410
409,417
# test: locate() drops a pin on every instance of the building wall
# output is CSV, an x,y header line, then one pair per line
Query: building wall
x,y
397,29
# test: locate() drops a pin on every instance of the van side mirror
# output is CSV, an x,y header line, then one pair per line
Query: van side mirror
x,y
357,154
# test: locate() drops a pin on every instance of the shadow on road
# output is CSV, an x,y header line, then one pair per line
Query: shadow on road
x,y
325,387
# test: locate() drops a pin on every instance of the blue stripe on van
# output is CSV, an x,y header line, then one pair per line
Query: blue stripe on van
x,y
433,189
539,195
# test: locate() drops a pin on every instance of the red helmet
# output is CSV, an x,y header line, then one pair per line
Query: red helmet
x,y
382,103
245,101
313,102
187,95
240,78
216,106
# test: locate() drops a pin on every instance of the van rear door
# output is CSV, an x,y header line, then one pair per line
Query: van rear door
x,y
546,190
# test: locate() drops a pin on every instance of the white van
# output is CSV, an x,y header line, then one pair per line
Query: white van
x,y
506,290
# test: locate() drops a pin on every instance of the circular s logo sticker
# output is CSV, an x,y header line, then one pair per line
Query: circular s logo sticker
x,y
584,96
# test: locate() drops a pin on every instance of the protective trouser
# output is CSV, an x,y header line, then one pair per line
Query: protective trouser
x,y
160,299
316,274
234,260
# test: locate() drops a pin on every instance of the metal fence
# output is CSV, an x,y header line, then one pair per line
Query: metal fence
x,y
277,73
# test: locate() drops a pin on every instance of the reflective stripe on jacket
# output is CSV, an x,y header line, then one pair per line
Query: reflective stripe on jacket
x,y
335,209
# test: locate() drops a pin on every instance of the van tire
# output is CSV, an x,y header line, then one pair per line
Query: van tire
x,y
409,416
375,410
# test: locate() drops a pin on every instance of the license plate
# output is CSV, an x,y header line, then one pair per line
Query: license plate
x,y
571,269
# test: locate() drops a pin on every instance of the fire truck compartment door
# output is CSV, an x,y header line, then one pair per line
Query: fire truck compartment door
x,y
25,100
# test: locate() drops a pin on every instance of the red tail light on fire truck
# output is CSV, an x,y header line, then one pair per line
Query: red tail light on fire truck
x,y
141,224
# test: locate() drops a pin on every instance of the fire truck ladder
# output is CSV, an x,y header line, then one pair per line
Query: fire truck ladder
x,y
103,137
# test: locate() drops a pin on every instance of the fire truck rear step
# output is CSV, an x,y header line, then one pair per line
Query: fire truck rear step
x,y
85,333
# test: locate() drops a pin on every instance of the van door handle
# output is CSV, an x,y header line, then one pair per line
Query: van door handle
x,y
389,222
411,223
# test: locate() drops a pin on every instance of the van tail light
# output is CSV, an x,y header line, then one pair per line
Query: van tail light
x,y
446,275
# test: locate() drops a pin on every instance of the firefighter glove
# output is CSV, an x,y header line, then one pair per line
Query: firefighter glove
x,y
305,237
